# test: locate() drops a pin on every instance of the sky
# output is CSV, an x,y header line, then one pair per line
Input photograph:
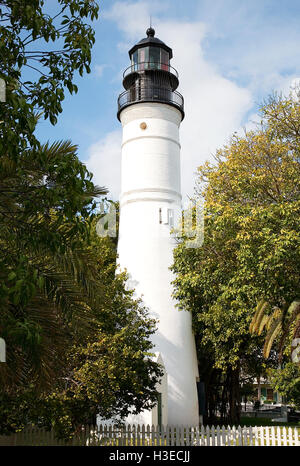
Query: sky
x,y
230,55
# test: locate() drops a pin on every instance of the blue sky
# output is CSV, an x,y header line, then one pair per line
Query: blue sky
x,y
230,55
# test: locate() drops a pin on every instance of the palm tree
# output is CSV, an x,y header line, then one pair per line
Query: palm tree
x,y
49,282
279,323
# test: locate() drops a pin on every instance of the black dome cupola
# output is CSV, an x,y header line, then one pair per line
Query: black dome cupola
x,y
152,41
150,77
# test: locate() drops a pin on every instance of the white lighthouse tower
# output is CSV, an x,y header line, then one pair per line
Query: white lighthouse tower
x,y
151,110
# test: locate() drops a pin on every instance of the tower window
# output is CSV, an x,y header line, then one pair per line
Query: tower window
x,y
143,58
171,217
154,57
164,60
135,60
166,216
150,58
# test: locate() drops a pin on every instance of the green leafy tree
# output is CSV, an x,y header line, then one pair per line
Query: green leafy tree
x,y
43,217
45,191
251,243
77,343
286,381
52,47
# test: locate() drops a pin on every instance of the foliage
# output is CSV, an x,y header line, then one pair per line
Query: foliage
x,y
43,216
251,244
52,47
88,351
77,342
281,322
45,191
287,382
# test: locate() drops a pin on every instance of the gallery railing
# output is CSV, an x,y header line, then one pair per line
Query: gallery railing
x,y
144,66
148,93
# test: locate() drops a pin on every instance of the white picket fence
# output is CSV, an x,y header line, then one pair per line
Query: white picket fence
x,y
197,436
135,435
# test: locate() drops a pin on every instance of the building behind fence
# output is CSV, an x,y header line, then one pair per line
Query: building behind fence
x,y
104,435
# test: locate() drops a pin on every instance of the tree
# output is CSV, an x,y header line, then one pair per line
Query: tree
x,y
251,243
286,381
79,345
43,217
27,32
36,179
68,321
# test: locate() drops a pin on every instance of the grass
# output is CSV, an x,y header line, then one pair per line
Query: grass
x,y
262,421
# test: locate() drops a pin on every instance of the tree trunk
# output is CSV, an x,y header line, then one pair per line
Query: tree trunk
x,y
234,396
258,389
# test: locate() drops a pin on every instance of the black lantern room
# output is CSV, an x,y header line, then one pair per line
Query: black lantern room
x,y
150,77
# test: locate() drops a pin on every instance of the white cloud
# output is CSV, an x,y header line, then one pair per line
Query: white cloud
x,y
215,106
134,18
254,122
99,69
104,161
290,85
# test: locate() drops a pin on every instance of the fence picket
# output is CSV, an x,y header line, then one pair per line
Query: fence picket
x,y
267,436
245,434
297,437
250,437
262,436
202,436
240,438
178,436
100,433
273,436
184,435
278,436
167,433
192,435
143,434
236,436
207,436
213,438
197,436
218,436
223,436
182,431
284,436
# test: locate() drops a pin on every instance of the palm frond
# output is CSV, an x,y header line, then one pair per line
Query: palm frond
x,y
284,321
271,336
258,316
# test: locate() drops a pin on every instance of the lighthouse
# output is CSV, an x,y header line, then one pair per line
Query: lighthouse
x,y
150,111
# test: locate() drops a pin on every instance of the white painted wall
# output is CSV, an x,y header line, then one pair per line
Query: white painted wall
x,y
150,182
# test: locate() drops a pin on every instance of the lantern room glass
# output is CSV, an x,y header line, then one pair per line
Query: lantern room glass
x,y
154,58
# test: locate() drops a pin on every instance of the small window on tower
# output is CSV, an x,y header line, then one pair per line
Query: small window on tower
x,y
164,60
154,57
171,217
143,58
134,59
165,215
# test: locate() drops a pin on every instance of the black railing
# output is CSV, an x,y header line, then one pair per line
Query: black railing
x,y
136,67
150,94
